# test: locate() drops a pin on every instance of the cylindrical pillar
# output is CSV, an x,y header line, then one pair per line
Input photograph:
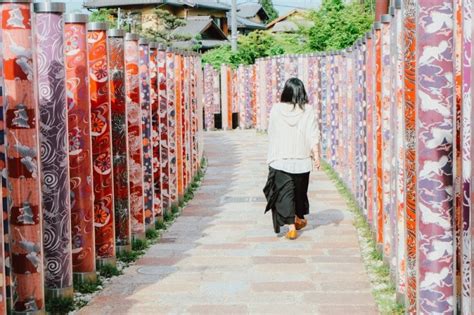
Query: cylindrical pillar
x,y
467,72
123,232
409,79
171,93
386,138
179,126
224,98
163,129
22,149
194,108
4,228
144,73
132,88
434,146
101,143
155,125
51,88
378,134
80,148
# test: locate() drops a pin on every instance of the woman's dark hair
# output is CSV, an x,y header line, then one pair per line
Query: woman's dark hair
x,y
294,93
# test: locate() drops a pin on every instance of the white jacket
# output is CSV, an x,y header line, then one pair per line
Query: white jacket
x,y
292,132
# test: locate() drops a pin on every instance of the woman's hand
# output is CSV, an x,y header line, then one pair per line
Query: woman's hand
x,y
316,158
317,164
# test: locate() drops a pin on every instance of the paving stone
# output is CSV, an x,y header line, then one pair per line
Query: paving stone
x,y
222,257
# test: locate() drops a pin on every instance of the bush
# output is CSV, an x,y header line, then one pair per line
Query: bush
x,y
139,245
160,225
152,234
109,271
87,287
128,257
60,305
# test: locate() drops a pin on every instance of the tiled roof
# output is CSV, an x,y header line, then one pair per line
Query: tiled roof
x,y
197,25
189,3
248,10
248,24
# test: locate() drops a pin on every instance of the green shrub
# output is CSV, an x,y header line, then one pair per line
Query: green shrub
x,y
152,234
87,287
109,271
60,305
128,256
160,225
139,245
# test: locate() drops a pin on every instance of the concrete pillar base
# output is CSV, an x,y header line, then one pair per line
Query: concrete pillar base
x,y
100,262
123,248
139,236
82,277
59,293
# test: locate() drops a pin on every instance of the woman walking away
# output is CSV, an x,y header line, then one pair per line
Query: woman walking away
x,y
293,150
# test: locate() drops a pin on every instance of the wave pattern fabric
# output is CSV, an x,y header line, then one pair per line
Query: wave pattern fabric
x,y
54,173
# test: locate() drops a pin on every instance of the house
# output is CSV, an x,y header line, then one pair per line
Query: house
x,y
142,10
291,22
250,17
200,30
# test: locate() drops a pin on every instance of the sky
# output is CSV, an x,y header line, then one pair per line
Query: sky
x,y
282,6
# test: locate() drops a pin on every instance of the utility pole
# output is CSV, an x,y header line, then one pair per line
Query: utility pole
x,y
234,26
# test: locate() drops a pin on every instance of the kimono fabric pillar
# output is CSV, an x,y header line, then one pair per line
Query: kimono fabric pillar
x,y
409,71
170,88
179,125
134,112
144,74
49,40
101,144
467,72
4,250
386,138
24,195
116,47
80,148
224,99
434,129
163,130
155,125
378,134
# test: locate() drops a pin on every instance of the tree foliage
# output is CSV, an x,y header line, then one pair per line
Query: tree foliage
x,y
104,15
338,25
163,25
255,45
269,8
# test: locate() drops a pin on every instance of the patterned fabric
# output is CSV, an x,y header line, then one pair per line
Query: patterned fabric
x,y
116,48
55,180
22,163
80,148
135,158
148,191
101,145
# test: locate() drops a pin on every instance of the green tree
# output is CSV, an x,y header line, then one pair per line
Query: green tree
x,y
164,23
269,8
255,45
104,15
338,25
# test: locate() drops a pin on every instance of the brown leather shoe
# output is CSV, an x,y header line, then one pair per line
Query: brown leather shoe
x,y
300,224
292,235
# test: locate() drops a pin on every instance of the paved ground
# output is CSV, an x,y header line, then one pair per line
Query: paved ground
x,y
222,257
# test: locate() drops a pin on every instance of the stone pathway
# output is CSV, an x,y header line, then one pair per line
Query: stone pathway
x,y
222,257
